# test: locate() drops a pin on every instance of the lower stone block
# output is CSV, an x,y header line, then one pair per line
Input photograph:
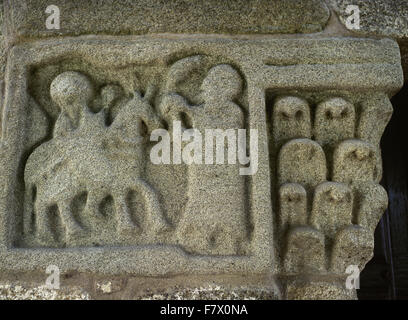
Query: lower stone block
x,y
318,290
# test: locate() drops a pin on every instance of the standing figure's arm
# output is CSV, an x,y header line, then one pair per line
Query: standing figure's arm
x,y
147,113
127,125
173,106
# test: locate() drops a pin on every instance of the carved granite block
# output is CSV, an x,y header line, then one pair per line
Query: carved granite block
x,y
305,251
122,17
334,121
79,187
309,156
318,290
291,119
324,177
292,205
354,245
373,201
355,160
332,208
375,114
392,24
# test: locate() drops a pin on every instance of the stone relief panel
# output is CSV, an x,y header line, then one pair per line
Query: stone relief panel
x,y
330,202
79,186
90,182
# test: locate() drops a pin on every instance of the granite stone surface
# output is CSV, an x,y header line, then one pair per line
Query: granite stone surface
x,y
100,178
27,18
379,18
387,18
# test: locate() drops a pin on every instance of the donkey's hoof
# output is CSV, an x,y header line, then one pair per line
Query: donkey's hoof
x,y
128,229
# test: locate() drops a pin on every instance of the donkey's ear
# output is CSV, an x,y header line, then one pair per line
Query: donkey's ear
x,y
110,94
152,89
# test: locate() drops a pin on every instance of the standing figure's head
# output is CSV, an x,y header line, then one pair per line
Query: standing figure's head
x,y
221,83
71,90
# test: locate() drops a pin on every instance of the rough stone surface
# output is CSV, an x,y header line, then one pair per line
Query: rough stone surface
x,y
13,291
388,18
27,18
211,292
80,190
318,290
379,18
92,286
2,45
86,135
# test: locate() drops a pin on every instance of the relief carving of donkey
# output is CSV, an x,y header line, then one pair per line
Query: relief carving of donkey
x,y
86,155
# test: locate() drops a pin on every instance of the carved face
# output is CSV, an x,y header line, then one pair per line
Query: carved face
x,y
71,89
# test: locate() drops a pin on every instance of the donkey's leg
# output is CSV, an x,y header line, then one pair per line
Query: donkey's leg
x,y
155,214
72,228
42,222
125,224
95,197
28,209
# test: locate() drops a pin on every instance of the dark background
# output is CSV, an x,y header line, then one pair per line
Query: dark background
x,y
386,275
